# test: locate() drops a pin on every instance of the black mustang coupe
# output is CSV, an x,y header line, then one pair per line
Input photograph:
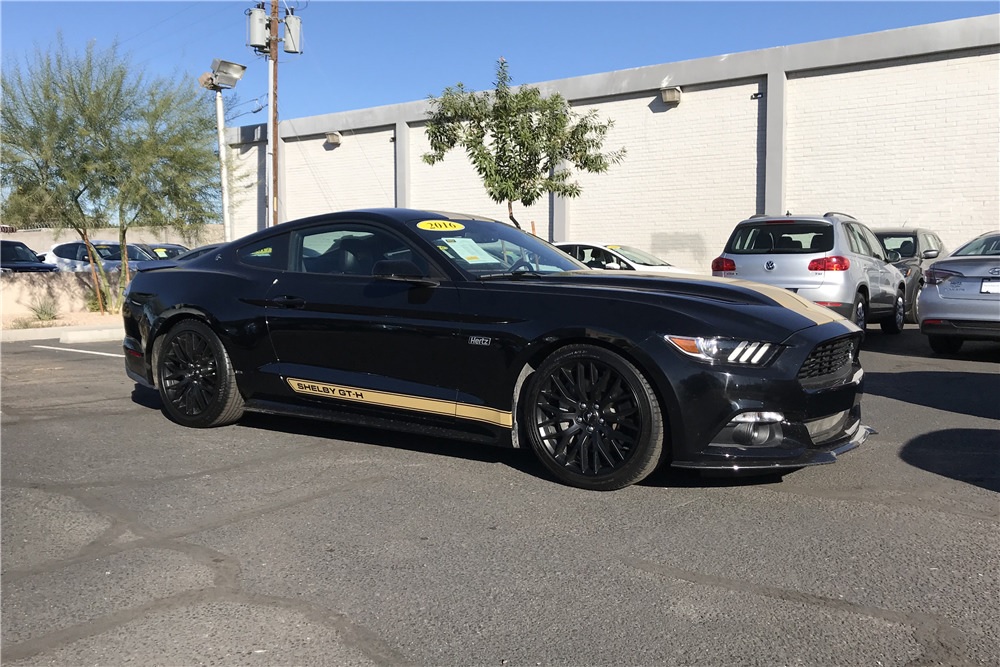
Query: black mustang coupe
x,y
468,327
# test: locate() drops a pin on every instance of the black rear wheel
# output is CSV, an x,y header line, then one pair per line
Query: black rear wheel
x,y
859,311
196,378
895,323
592,419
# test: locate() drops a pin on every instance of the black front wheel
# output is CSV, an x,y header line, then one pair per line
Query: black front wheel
x,y
592,419
196,378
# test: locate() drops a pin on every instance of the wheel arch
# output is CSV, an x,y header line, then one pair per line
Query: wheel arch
x,y
612,342
164,324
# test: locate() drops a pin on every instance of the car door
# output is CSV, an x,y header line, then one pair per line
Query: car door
x,y
339,332
888,275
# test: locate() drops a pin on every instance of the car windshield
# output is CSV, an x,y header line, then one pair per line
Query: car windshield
x,y
16,252
638,256
482,248
904,244
781,237
984,245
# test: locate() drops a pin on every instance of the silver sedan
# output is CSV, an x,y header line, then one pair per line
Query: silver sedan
x,y
960,299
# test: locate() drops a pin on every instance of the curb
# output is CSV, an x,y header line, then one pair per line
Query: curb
x,y
77,334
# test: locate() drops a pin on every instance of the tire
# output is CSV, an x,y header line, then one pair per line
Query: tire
x,y
592,419
945,344
895,323
195,377
859,311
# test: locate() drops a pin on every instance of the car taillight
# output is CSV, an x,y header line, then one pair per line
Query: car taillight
x,y
934,276
832,263
723,264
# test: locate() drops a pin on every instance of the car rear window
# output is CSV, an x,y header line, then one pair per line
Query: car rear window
x,y
785,237
904,244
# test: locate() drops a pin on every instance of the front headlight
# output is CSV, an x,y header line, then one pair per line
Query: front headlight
x,y
726,350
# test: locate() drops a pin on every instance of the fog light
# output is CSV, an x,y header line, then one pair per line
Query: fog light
x,y
759,418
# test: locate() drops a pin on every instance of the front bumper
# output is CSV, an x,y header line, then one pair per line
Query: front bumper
x,y
805,420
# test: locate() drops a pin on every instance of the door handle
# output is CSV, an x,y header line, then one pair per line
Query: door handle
x,y
288,302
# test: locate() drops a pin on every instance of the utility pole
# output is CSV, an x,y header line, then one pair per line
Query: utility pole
x,y
272,76
263,31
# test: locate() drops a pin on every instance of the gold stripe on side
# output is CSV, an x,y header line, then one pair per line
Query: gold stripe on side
x,y
404,401
793,301
488,415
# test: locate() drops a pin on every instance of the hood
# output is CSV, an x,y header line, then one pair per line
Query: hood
x,y
727,303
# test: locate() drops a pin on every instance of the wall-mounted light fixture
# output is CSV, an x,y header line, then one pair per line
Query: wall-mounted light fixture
x,y
670,95
333,138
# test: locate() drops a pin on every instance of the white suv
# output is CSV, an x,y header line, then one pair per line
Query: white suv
x,y
72,256
831,259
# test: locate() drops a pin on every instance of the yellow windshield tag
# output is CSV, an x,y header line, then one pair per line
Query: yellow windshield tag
x,y
440,226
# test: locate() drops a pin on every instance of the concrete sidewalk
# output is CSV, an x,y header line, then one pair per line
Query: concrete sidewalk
x,y
86,333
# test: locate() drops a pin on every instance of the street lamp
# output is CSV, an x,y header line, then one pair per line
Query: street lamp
x,y
224,75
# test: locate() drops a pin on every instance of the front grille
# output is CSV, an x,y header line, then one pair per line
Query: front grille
x,y
828,358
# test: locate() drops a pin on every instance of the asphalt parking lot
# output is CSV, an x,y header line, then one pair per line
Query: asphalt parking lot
x,y
127,539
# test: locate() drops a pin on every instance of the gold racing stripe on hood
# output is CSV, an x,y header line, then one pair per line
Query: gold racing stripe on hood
x,y
403,401
793,301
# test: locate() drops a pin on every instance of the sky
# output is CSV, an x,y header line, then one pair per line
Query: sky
x,y
366,54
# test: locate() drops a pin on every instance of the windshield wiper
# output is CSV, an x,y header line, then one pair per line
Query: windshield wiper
x,y
511,274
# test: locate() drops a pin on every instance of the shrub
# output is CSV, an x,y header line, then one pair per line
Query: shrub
x,y
45,308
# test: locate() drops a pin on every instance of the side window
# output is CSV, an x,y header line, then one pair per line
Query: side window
x,y
856,241
873,243
353,249
68,251
270,253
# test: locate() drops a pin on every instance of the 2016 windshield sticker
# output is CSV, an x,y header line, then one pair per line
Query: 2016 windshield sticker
x,y
440,226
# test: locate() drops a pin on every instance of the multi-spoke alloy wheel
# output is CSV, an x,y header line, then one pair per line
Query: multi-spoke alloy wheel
x,y
592,419
895,324
195,377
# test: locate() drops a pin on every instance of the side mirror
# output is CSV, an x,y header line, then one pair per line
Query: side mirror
x,y
41,257
930,254
892,256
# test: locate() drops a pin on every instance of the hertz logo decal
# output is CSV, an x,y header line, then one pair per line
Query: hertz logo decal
x,y
402,401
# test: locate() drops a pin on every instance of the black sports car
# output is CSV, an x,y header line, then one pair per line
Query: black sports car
x,y
469,327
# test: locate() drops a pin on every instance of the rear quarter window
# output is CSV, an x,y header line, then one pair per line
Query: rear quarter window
x,y
781,238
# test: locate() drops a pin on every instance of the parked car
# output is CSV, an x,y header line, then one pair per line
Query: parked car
x,y
197,252
72,256
469,327
163,250
960,299
916,247
831,259
16,257
613,256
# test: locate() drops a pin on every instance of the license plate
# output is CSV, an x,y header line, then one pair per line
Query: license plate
x,y
990,287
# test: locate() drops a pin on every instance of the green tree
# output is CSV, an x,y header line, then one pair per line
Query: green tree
x,y
88,141
522,144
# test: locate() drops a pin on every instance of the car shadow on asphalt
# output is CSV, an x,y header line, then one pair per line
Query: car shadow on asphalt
x,y
912,343
964,454
522,460
973,394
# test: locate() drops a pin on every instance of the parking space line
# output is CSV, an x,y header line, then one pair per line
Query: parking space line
x,y
70,349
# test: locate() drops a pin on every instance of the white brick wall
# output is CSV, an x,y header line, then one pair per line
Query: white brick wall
x,y
247,191
916,142
691,172
453,185
359,173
